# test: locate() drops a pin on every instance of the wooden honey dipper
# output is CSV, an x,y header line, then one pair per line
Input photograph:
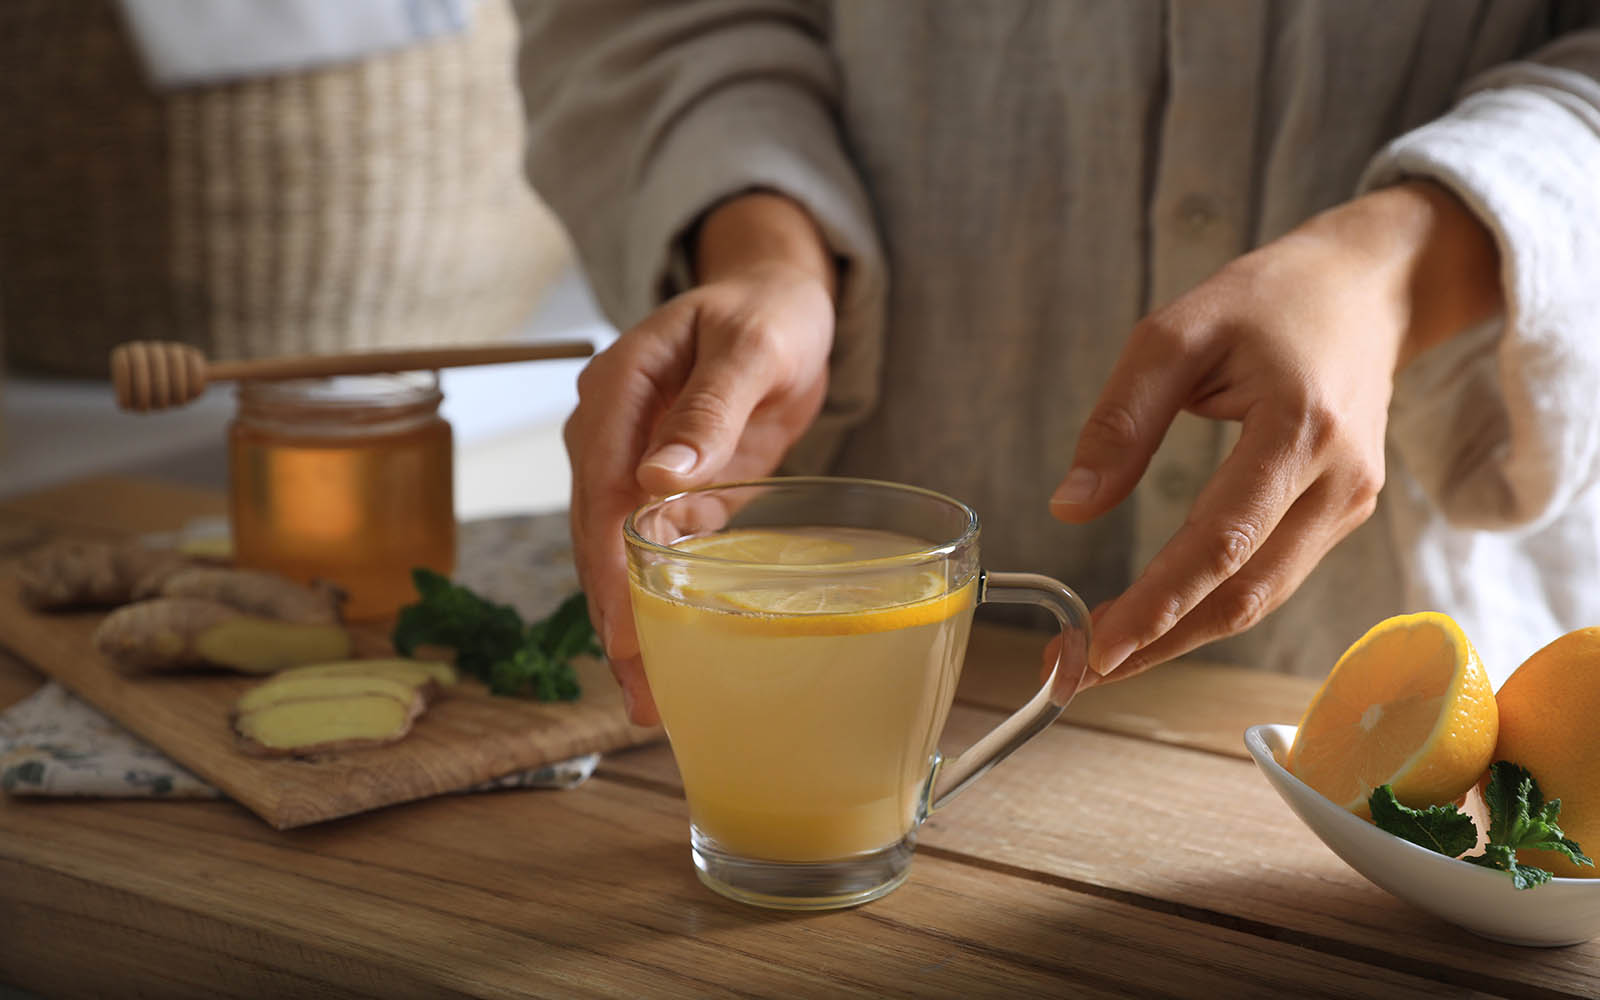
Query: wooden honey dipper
x,y
156,374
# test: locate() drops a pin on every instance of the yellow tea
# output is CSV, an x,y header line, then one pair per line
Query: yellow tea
x,y
803,713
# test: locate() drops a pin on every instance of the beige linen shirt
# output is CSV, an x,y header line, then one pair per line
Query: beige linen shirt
x,y
1012,185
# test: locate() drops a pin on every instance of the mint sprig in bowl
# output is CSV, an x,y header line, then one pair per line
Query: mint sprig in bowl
x,y
1559,911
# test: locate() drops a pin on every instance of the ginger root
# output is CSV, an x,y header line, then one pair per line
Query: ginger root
x,y
174,633
69,574
254,592
335,706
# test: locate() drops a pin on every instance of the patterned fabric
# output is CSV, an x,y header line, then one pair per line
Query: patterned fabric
x,y
53,743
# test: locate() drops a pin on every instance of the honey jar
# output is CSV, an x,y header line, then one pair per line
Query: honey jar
x,y
346,479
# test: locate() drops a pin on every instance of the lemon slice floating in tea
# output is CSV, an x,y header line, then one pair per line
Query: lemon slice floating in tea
x,y
879,593
854,601
772,548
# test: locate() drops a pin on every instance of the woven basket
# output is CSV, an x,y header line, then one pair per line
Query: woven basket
x,y
371,204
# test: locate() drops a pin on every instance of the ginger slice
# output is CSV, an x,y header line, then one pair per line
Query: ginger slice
x,y
282,688
174,633
420,673
306,727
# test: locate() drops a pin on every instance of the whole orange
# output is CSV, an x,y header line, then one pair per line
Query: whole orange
x,y
1550,724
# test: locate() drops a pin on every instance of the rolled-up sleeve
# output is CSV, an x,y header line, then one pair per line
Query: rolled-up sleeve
x,y
644,115
1501,428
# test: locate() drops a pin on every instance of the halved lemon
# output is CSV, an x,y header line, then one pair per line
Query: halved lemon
x,y
1408,705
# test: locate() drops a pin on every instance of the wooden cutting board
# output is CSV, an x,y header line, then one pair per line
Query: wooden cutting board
x,y
463,739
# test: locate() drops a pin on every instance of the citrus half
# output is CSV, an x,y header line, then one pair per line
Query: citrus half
x,y
1408,705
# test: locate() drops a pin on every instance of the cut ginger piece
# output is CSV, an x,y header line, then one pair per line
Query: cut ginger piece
x,y
259,646
307,727
298,689
322,707
420,673
175,633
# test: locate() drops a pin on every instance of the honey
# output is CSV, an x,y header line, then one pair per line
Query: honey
x,y
344,479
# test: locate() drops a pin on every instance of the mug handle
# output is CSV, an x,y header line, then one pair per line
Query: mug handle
x,y
951,776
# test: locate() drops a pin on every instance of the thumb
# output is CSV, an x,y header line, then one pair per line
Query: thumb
x,y
1146,390
701,429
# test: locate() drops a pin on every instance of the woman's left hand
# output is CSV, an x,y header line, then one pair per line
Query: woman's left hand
x,y
1299,342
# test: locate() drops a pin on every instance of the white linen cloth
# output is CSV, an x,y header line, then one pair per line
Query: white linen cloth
x,y
187,42
1011,185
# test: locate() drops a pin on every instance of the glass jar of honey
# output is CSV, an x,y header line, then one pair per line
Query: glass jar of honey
x,y
346,479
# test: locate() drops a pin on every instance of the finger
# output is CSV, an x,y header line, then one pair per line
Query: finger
x,y
1049,658
700,432
1234,515
1151,382
619,397
1316,522
636,696
599,554
1052,650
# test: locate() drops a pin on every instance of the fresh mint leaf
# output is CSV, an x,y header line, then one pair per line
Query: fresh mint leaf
x,y
1519,818
1511,795
481,632
491,641
1502,857
551,678
1438,828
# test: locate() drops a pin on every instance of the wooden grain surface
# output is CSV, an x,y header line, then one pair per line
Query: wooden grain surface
x,y
1158,704
1130,852
1165,827
585,893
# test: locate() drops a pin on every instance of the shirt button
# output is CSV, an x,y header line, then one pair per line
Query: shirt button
x,y
1197,213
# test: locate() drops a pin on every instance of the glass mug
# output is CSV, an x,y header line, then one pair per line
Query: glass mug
x,y
803,638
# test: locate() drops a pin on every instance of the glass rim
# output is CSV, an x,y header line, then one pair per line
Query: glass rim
x,y
938,550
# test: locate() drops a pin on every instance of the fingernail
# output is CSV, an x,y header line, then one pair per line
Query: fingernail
x,y
1078,487
627,701
675,458
1112,658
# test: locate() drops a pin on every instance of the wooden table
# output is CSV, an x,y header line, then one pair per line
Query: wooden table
x,y
1130,851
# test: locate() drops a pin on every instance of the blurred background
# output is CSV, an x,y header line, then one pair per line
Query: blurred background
x,y
270,177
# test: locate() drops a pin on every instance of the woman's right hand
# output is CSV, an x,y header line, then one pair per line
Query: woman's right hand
x,y
713,386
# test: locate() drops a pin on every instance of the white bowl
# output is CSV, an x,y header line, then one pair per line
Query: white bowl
x,y
1562,911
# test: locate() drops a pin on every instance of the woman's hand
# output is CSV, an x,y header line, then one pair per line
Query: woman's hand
x,y
1298,342
714,385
